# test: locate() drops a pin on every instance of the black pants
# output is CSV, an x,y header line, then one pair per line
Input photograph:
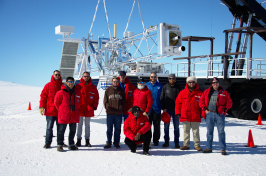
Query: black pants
x,y
155,119
61,132
146,138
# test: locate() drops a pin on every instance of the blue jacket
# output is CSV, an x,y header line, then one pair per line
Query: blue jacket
x,y
156,90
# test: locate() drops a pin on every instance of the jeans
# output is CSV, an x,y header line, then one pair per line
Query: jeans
x,y
49,128
155,119
61,133
116,121
145,138
211,119
87,121
176,128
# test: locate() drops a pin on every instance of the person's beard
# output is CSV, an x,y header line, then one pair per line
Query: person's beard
x,y
172,83
190,87
140,86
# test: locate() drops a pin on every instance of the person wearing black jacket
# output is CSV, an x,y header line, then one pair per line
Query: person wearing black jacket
x,y
168,96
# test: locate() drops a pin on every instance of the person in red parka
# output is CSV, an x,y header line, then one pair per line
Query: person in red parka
x,y
187,107
67,102
129,88
215,102
142,97
47,106
89,103
137,130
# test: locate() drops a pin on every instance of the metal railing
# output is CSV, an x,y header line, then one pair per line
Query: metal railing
x,y
253,68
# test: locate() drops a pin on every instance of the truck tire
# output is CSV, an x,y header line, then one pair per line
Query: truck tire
x,y
250,105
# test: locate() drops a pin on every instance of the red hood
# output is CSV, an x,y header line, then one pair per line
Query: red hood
x,y
83,82
56,83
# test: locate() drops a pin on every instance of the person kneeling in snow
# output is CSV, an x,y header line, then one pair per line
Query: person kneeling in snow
x,y
67,102
137,130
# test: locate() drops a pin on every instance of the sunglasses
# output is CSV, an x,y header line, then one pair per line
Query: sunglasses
x,y
115,81
153,76
57,74
193,82
70,81
86,76
215,82
140,82
171,78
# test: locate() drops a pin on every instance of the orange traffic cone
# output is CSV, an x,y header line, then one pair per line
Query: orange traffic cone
x,y
250,140
29,108
259,120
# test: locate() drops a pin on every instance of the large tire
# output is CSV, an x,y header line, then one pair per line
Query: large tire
x,y
250,105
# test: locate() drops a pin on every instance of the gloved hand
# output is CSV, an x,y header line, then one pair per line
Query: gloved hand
x,y
42,111
146,114
129,110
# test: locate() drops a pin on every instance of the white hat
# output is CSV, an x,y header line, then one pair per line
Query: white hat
x,y
192,78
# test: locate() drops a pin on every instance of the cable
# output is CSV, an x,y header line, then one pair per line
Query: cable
x,y
106,16
96,9
129,16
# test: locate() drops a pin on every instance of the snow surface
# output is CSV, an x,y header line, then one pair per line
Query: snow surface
x,y
22,152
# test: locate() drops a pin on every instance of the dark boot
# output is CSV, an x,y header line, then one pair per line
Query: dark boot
x,y
46,146
78,144
107,145
88,143
72,147
60,148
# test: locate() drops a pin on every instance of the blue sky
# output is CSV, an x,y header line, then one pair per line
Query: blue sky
x,y
30,50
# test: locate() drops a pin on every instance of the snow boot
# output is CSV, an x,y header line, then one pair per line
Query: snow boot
x,y
78,144
107,145
46,146
88,143
166,144
60,148
116,145
72,147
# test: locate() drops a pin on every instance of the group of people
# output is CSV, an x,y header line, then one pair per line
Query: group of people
x,y
140,107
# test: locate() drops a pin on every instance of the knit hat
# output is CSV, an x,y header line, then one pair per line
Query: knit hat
x,y
121,73
192,78
215,79
135,109
141,80
171,75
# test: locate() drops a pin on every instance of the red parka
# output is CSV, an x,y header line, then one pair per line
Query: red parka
x,y
47,96
129,90
90,98
223,103
132,126
143,99
63,101
187,104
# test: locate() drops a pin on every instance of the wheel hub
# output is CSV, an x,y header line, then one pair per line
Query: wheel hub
x,y
256,105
